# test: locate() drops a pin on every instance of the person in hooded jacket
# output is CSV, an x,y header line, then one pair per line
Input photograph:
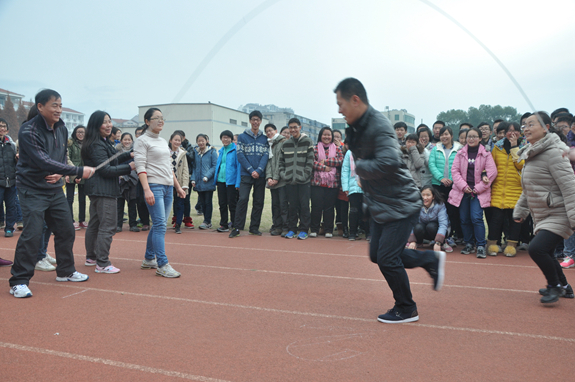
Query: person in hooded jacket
x,y
227,180
186,145
128,188
180,167
75,157
205,162
275,183
416,159
548,183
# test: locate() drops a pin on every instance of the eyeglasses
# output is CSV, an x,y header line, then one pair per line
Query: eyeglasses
x,y
484,128
529,126
159,119
3,126
472,137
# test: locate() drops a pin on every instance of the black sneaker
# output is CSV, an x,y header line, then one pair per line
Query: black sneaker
x,y
469,248
255,232
235,233
481,252
568,291
345,234
134,229
8,233
394,317
178,229
223,228
437,271
552,294
119,229
276,232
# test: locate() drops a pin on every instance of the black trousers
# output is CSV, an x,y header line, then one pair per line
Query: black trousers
x,y
298,196
342,213
425,231
355,212
70,189
526,234
542,251
227,200
37,207
452,211
279,208
387,250
497,224
132,212
258,196
323,205
142,207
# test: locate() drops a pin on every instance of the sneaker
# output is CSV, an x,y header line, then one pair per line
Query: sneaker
x,y
20,226
75,277
352,237
345,234
145,227
178,229
313,234
328,235
284,233
523,247
44,266
21,291
568,291
76,226
83,225
149,264
568,263
302,235
119,229
552,294
276,232
223,228
437,272
459,240
167,271
235,233
5,263
394,317
90,263
451,242
205,226
50,259
134,229
290,235
108,269
255,232
481,252
469,248
446,248
8,233
198,212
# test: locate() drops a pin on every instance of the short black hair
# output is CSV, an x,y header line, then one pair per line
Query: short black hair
x,y
439,122
503,126
338,131
349,87
140,128
45,95
284,129
270,125
559,111
483,124
444,129
227,133
497,120
420,126
181,132
461,131
564,117
424,130
400,125
525,116
465,124
323,129
294,120
6,122
412,137
256,113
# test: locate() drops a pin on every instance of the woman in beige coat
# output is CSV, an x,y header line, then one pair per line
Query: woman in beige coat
x,y
548,193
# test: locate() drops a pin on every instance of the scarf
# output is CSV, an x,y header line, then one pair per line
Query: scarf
x,y
351,165
271,142
329,176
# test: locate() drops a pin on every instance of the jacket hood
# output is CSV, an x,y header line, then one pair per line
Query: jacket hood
x,y
548,142
232,148
481,151
251,133
278,139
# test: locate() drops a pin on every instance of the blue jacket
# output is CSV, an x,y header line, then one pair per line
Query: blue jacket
x,y
232,167
204,166
435,213
253,153
348,182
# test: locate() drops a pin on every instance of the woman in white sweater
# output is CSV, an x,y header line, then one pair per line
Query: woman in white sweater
x,y
153,165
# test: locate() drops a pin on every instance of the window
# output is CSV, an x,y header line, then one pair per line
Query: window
x,y
245,124
397,117
233,121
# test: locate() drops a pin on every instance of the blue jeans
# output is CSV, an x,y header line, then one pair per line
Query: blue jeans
x,y
471,215
569,249
159,212
8,195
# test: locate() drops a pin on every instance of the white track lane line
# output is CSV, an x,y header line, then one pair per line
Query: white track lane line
x,y
308,314
109,362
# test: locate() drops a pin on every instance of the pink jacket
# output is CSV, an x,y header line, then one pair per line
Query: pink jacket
x,y
483,162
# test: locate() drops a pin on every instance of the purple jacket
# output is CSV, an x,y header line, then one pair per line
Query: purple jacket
x,y
483,162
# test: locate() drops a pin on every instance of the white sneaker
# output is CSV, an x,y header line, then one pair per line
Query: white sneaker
x,y
313,234
50,259
21,291
328,235
167,271
149,264
75,277
44,266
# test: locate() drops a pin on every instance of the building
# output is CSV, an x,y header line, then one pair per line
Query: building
x,y
338,124
14,97
72,118
200,118
401,116
281,116
124,123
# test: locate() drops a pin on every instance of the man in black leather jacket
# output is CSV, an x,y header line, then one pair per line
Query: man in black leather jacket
x,y
391,196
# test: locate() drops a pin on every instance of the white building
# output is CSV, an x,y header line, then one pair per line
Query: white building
x,y
201,118
72,118
124,123
14,97
402,115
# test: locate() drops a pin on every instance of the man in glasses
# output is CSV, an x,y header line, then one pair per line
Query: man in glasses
x,y
486,139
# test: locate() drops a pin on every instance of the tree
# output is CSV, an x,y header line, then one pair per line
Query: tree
x,y
484,113
21,115
9,114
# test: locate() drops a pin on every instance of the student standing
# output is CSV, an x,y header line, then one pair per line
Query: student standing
x,y
128,189
275,183
227,179
205,162
180,168
75,156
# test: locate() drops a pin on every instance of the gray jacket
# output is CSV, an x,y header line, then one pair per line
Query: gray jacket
x,y
273,166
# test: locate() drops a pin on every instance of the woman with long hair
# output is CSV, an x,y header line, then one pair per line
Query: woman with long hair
x,y
153,165
103,189
205,162
75,156
180,167
433,222
548,183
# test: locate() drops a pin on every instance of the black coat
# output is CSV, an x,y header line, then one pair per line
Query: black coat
x,y
105,182
389,190
7,163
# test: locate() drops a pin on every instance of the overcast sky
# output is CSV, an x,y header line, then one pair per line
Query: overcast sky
x,y
118,55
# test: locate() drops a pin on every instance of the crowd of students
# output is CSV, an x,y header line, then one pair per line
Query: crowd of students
x,y
475,183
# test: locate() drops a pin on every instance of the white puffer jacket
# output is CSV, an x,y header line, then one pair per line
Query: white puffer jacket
x,y
548,187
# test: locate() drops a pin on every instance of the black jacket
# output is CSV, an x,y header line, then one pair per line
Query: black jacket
x,y
7,163
390,191
190,156
106,181
43,152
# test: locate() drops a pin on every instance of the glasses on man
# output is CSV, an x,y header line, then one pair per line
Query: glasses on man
x,y
159,119
472,137
485,128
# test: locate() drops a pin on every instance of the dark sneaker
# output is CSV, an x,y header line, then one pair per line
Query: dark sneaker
x,y
552,294
394,317
178,229
284,233
134,229
235,233
5,263
469,248
568,291
8,233
276,232
345,234
223,228
145,227
118,229
437,271
255,232
481,252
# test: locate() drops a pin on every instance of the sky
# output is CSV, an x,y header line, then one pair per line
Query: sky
x,y
118,55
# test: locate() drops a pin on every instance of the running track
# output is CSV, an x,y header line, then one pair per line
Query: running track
x,y
270,309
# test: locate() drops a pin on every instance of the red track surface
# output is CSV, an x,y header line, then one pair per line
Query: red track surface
x,y
270,309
